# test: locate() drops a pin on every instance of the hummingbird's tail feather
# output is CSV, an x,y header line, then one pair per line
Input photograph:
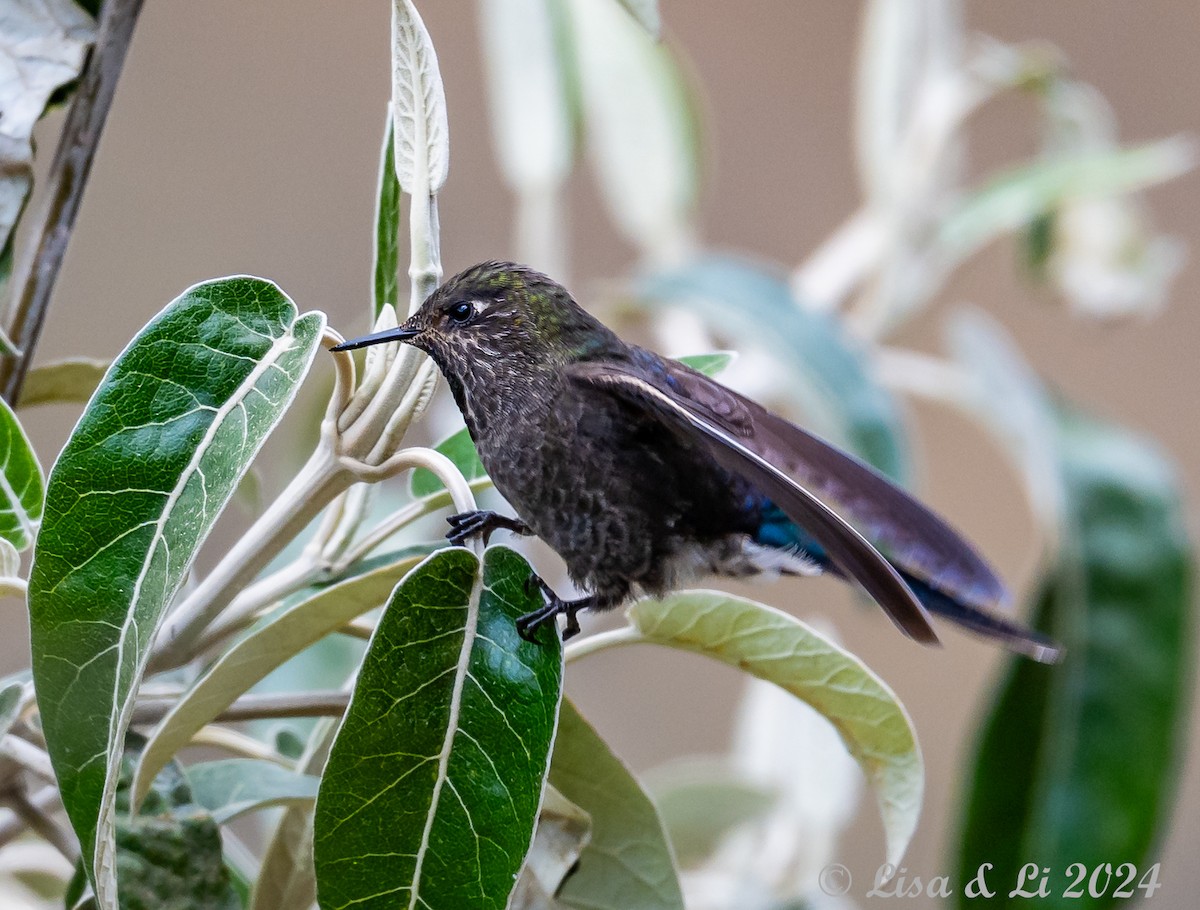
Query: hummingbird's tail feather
x,y
1012,635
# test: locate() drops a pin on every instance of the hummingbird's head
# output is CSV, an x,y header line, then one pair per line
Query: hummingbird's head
x,y
496,319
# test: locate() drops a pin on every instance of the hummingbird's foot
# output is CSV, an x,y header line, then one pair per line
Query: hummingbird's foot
x,y
528,625
466,525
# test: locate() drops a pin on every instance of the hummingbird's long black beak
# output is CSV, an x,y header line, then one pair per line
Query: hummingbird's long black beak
x,y
400,333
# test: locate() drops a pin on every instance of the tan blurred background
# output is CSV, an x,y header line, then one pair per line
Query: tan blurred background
x,y
244,138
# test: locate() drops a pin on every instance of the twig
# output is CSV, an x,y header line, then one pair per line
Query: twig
x,y
34,814
268,706
68,176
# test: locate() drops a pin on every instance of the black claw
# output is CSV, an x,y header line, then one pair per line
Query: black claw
x,y
480,523
528,625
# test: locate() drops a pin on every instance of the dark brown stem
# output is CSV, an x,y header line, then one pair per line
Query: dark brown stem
x,y
68,176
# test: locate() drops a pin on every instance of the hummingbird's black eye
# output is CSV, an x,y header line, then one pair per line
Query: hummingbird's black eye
x,y
461,312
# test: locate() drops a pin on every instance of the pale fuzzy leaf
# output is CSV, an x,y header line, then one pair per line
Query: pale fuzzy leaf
x,y
11,698
422,134
286,878
783,744
42,46
1012,199
10,560
646,13
22,490
531,124
773,646
258,654
71,380
563,830
641,129
232,787
628,862
1009,399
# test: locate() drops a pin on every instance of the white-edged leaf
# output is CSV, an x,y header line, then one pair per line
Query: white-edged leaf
x,y
147,471
22,490
563,830
259,653
771,645
422,134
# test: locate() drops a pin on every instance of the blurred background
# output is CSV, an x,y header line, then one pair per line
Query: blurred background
x,y
245,137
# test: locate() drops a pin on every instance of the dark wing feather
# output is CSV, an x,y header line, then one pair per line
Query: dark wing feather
x,y
914,537
702,420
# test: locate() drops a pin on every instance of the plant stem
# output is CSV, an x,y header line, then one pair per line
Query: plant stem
x,y
28,756
267,706
69,173
318,482
34,815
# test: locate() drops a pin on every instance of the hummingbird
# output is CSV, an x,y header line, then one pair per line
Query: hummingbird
x,y
643,474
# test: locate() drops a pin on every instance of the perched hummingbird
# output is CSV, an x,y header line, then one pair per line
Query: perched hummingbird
x,y
643,474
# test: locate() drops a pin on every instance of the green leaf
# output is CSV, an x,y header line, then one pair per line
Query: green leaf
x,y
387,228
73,380
1054,778
1013,199
21,487
432,787
833,382
710,364
701,801
148,469
627,863
236,786
460,449
773,646
262,651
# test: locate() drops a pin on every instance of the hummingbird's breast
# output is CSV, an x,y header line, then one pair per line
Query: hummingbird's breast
x,y
624,502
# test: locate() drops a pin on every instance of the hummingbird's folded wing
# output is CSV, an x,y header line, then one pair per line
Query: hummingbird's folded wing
x,y
913,537
707,418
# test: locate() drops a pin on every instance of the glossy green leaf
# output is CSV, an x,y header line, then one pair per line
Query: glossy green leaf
x,y
1056,776
627,863
21,488
776,647
234,786
1013,199
148,469
432,787
833,382
460,449
262,651
73,380
387,229
710,364
701,801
